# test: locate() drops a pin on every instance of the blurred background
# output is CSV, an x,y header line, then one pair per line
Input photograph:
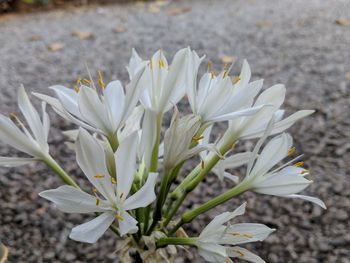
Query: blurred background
x,y
303,44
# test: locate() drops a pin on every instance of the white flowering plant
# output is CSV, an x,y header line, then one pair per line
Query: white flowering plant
x,y
135,170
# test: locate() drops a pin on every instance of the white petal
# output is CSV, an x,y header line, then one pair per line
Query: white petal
x,y
144,196
115,98
236,160
281,184
312,199
94,111
133,92
274,95
240,113
245,233
174,88
46,121
91,159
134,64
239,252
11,135
69,199
15,161
68,99
222,219
32,117
274,151
91,231
212,252
128,225
125,160
148,137
132,124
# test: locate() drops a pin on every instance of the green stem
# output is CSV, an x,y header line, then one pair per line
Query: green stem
x,y
174,210
190,241
60,172
190,215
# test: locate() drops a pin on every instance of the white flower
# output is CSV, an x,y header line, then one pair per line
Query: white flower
x,y
33,143
179,137
211,242
111,194
102,112
254,126
286,180
163,85
220,98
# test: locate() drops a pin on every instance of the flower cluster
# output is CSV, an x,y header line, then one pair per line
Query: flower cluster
x,y
135,169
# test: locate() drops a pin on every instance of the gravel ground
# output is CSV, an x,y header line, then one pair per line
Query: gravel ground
x,y
294,42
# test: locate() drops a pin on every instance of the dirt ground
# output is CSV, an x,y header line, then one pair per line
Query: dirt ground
x,y
298,43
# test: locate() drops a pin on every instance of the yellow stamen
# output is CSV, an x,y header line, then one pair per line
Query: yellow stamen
x,y
212,75
100,80
209,65
16,120
76,87
305,171
291,151
241,254
113,180
87,82
98,201
121,195
161,63
236,79
94,190
236,234
197,139
99,176
119,217
299,164
248,236
225,74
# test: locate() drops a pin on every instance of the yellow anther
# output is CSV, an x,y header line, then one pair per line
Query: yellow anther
x,y
305,171
151,63
113,180
197,139
76,88
248,236
16,120
87,82
291,151
212,75
119,217
161,63
99,176
121,195
228,260
209,65
240,253
299,164
100,80
236,234
225,74
94,190
236,79
202,164
98,201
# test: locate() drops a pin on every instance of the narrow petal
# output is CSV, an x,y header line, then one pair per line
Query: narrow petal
x,y
281,184
32,117
212,252
274,151
125,160
91,159
242,253
68,99
15,161
69,199
134,63
11,135
274,96
245,233
128,224
235,114
312,199
222,219
115,98
144,196
91,231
